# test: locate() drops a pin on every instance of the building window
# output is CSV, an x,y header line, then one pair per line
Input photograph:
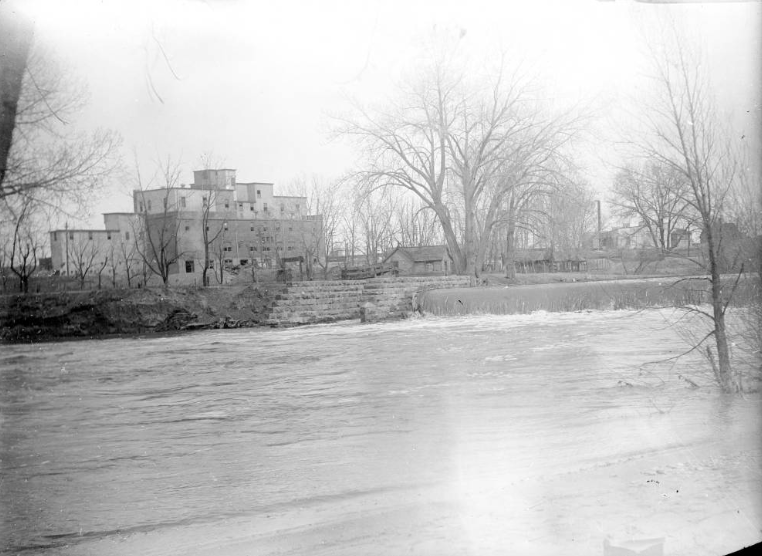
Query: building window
x,y
227,204
108,236
203,201
429,267
264,228
252,228
252,247
141,207
251,208
89,235
71,235
182,202
264,207
211,263
259,194
55,236
244,262
149,205
240,206
283,208
127,235
297,208
189,267
228,261
187,228
290,247
290,229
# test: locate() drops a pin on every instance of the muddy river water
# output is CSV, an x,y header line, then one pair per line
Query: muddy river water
x,y
535,434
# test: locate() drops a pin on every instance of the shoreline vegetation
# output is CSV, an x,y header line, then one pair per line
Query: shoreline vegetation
x,y
45,317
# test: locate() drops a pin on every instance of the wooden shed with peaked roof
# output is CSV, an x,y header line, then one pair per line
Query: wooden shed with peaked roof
x,y
432,260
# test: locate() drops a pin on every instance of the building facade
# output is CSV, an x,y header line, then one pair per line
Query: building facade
x,y
214,220
420,261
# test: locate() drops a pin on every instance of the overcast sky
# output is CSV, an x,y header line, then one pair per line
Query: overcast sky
x,y
254,81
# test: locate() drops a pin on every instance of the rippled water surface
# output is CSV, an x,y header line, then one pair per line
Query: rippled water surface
x,y
136,434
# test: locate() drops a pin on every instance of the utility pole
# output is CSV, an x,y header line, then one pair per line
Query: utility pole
x,y
598,206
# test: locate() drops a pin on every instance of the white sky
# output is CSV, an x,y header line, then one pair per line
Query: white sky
x,y
257,79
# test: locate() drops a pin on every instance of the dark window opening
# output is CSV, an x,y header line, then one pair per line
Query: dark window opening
x,y
189,267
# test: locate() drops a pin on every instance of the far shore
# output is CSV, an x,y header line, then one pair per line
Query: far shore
x,y
41,317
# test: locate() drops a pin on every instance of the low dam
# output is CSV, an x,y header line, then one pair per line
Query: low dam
x,y
369,300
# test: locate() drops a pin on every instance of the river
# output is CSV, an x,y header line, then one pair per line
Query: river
x,y
532,434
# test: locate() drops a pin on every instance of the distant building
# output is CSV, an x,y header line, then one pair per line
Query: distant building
x,y
639,237
248,224
421,261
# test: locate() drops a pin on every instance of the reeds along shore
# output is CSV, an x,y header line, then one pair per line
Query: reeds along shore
x,y
582,296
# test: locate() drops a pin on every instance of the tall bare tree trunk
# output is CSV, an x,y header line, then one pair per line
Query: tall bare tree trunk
x,y
16,33
510,250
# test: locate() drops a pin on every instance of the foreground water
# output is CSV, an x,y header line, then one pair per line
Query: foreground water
x,y
474,422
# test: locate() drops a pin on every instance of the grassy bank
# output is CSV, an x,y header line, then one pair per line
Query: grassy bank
x,y
578,296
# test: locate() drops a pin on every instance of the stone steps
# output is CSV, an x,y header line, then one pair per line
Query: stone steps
x,y
370,300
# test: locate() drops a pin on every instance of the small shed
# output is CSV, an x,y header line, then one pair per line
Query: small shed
x,y
433,260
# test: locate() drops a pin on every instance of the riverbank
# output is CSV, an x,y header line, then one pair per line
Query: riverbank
x,y
100,313
51,316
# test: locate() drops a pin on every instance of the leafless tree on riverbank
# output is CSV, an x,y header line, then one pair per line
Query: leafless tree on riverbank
x,y
685,135
83,254
25,244
463,146
157,233
40,156
658,195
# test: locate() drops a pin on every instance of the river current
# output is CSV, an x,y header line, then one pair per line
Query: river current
x,y
131,435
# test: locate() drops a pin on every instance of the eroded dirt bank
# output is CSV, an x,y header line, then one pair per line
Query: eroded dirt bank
x,y
42,317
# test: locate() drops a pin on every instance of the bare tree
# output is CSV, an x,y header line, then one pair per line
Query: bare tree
x,y
16,33
686,136
208,161
113,261
209,236
158,233
46,159
375,213
463,147
416,224
569,215
5,253
318,233
658,195
25,245
129,256
83,255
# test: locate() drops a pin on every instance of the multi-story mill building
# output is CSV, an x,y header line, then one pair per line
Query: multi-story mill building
x,y
245,223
